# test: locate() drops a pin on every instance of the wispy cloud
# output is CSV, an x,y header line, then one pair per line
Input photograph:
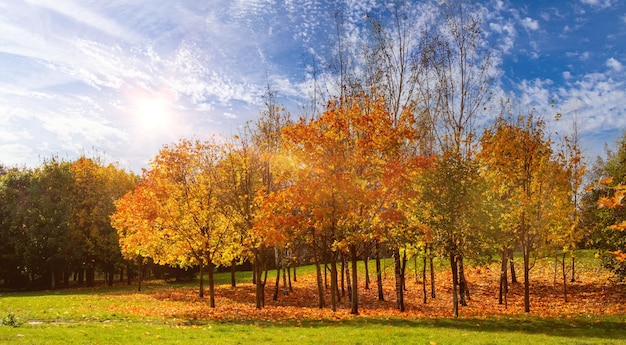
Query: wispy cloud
x,y
86,17
598,3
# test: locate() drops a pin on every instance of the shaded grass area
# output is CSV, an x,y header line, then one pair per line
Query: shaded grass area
x,y
358,331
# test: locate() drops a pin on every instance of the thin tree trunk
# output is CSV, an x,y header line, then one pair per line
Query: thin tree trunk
x,y
379,274
277,260
526,251
201,292
398,279
367,271
233,270
424,279
403,270
289,278
343,276
355,296
276,286
573,269
464,288
415,270
564,279
139,275
556,269
210,268
432,273
285,287
455,280
333,284
348,282
512,263
503,277
318,270
260,285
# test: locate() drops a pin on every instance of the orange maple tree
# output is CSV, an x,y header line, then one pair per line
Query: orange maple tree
x,y
342,174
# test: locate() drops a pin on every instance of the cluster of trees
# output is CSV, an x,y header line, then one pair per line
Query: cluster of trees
x,y
54,222
390,157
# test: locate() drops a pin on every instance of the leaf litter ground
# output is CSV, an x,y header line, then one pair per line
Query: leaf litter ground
x,y
592,294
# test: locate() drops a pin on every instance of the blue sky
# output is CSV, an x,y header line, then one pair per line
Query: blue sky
x,y
79,76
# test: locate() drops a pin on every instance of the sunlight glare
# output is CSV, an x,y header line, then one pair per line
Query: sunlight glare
x,y
152,113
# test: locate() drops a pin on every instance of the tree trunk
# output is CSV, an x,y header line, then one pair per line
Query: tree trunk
x,y
504,284
573,269
463,286
379,273
512,263
333,284
367,271
210,268
81,277
432,273
318,270
343,276
276,286
403,270
348,282
564,279
295,279
526,251
233,270
424,279
355,296
398,279
201,292
289,278
139,275
277,259
260,285
285,287
455,280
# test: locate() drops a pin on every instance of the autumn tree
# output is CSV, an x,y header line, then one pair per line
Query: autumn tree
x,y
343,174
187,216
266,142
241,177
454,88
603,215
526,173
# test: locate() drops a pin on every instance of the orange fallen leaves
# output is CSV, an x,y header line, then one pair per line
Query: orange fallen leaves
x,y
591,295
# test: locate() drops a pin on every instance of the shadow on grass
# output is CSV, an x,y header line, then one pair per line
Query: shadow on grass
x,y
603,328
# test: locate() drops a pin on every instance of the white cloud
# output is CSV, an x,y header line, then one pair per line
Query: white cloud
x,y
87,17
614,64
530,24
567,75
598,3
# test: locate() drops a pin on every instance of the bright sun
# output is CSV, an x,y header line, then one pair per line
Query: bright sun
x,y
152,114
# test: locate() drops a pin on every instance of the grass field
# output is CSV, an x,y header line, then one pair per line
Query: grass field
x,y
173,314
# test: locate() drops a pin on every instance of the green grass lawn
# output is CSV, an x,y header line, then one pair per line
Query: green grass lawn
x,y
358,331
93,316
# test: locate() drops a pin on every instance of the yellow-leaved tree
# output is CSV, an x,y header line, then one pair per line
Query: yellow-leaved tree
x,y
175,215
